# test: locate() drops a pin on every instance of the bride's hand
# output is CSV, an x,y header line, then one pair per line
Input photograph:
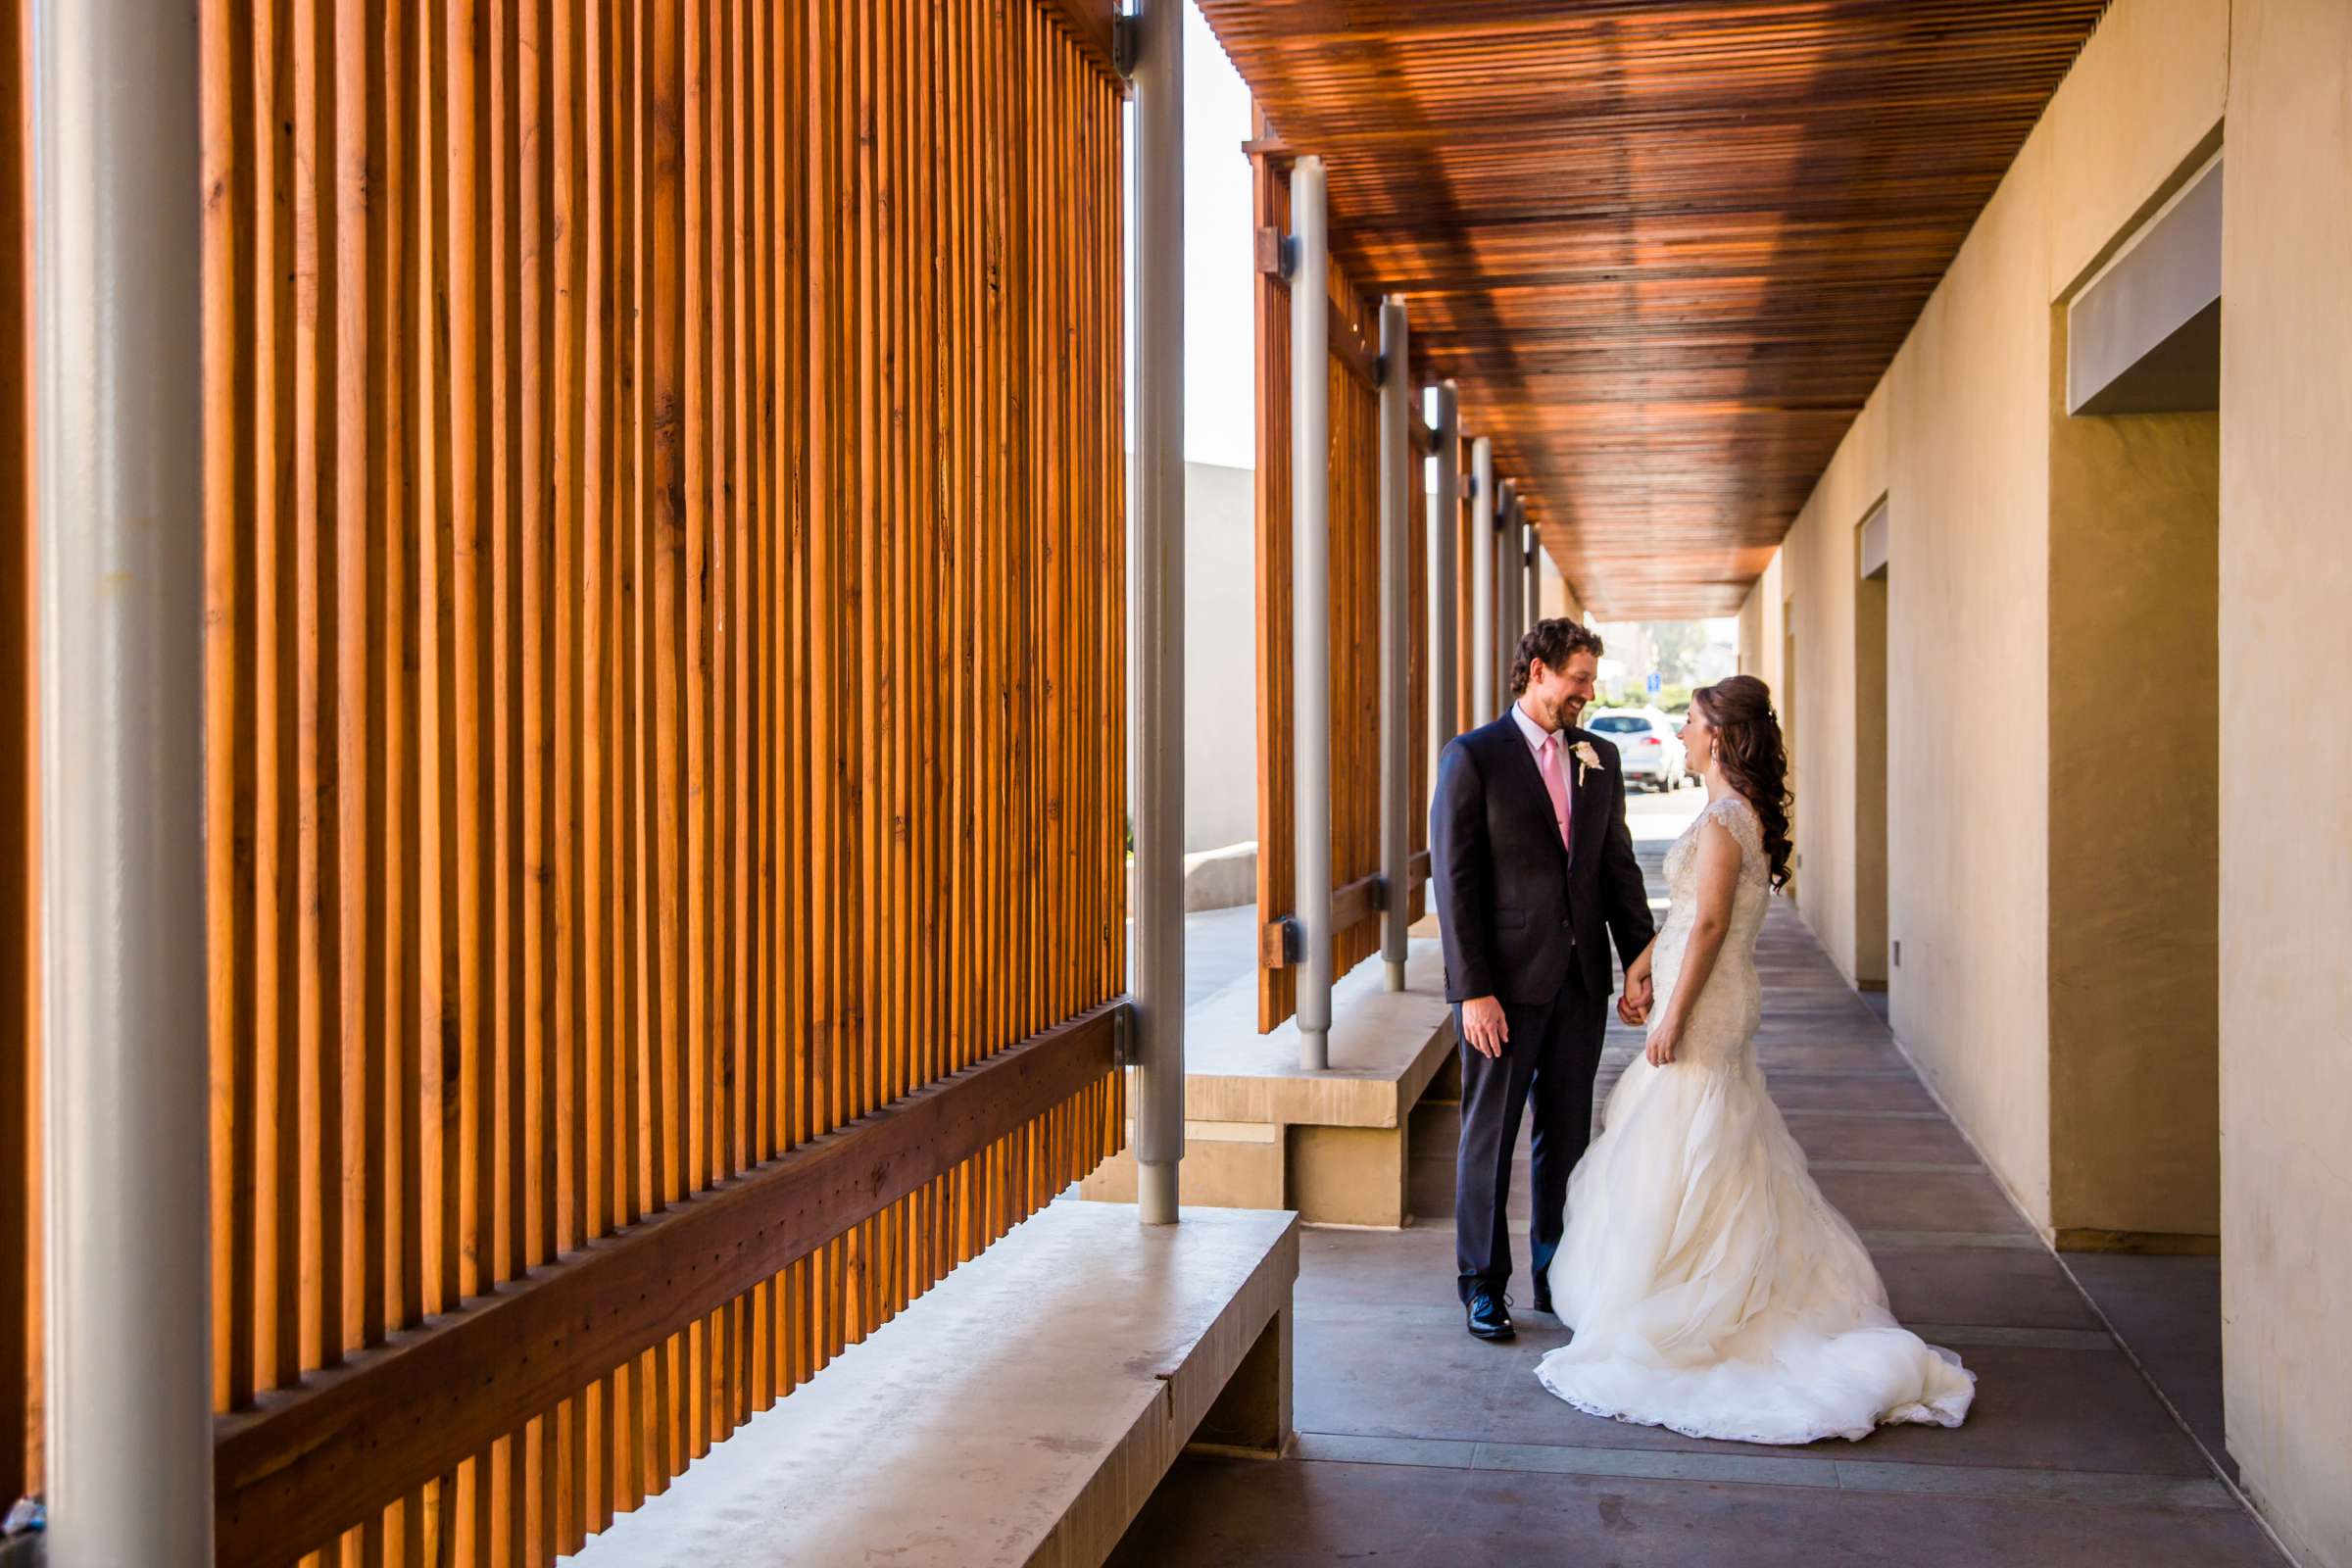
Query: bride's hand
x,y
1633,1006
1663,1039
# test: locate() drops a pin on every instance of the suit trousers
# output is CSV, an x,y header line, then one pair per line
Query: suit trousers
x,y
1552,1056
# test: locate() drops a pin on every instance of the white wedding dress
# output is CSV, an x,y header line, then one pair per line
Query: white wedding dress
x,y
1712,1289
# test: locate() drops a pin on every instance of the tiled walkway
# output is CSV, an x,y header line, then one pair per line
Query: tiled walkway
x,y
1420,1446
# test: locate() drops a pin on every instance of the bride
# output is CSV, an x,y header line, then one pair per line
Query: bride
x,y
1714,1291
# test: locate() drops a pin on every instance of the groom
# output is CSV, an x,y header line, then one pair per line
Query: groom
x,y
1534,875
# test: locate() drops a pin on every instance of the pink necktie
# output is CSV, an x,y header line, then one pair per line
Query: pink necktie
x,y
1547,761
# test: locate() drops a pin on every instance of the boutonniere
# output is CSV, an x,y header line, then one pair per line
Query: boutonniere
x,y
1587,759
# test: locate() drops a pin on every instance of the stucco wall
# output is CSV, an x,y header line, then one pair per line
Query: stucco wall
x,y
1760,630
1958,438
2287,855
2027,555
2135,685
1967,636
1558,597
1819,569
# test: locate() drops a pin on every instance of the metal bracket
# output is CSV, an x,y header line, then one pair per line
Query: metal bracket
x,y
1290,256
1126,41
1122,1038
1294,941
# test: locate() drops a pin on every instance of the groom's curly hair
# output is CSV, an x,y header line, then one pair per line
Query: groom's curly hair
x,y
1552,642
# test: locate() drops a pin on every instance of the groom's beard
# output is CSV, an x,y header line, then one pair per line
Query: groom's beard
x,y
1566,711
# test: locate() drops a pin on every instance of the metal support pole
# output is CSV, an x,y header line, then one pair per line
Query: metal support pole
x,y
1506,597
1157,635
1310,608
117,379
1444,501
1525,617
1535,575
1514,542
1483,630
1400,468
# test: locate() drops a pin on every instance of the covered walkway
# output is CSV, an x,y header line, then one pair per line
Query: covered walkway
x,y
1418,1445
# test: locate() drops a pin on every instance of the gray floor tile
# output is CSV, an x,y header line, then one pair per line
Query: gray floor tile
x,y
1421,1446
1233,1512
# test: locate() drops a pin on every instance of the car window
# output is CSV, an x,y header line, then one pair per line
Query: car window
x,y
1618,724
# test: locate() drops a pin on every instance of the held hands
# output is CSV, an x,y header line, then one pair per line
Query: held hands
x,y
1484,1026
1633,1009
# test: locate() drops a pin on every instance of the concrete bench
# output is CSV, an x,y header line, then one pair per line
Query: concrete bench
x,y
1019,1413
1262,1132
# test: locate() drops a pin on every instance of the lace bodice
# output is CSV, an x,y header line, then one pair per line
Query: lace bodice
x,y
1725,1019
1740,819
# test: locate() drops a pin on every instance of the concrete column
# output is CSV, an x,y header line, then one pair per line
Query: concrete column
x,y
1483,628
118,380
1444,721
1400,467
1157,618
1310,608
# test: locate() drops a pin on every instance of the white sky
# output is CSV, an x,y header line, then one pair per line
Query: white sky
x,y
1219,354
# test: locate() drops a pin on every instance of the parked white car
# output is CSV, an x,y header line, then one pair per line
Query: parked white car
x,y
1644,738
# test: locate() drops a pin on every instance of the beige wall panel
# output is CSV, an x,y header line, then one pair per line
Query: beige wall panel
x,y
2148,88
2134,517
1559,599
1967,661
1958,437
2287,855
1871,952
1819,564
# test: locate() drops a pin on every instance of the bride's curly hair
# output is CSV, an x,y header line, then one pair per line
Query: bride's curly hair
x,y
1753,758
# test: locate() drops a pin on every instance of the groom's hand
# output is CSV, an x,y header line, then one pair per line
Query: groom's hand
x,y
1633,1006
1484,1026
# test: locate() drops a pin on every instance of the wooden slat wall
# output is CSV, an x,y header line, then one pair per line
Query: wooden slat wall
x,y
20,889
665,676
1355,719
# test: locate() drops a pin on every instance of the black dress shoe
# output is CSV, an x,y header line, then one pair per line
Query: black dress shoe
x,y
1489,1320
1543,1301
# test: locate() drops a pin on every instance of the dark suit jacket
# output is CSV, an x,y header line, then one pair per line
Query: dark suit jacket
x,y
1519,913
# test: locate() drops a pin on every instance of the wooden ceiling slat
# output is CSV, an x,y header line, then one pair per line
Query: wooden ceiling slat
x,y
1666,249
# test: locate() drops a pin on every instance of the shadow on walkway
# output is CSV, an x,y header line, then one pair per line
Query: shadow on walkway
x,y
1420,1446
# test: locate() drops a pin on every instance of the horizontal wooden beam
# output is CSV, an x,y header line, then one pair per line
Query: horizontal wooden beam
x,y
1362,358
1424,437
1351,901
1093,26
305,1464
